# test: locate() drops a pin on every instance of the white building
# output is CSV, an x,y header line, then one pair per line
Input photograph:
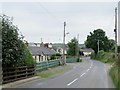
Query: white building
x,y
41,53
87,51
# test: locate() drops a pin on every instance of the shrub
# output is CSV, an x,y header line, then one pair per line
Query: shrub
x,y
14,51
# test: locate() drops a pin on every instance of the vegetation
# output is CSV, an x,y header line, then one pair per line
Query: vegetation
x,y
114,73
104,56
55,56
72,47
49,73
14,51
104,43
53,71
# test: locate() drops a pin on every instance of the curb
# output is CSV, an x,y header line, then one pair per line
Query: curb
x,y
12,84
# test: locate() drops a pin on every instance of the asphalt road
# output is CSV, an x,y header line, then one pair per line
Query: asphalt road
x,y
87,74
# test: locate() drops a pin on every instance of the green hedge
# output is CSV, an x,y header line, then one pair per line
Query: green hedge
x,y
115,76
104,56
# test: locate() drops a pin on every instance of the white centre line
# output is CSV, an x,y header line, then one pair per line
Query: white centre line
x,y
72,82
88,70
82,74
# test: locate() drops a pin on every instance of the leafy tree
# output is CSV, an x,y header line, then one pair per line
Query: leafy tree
x,y
92,41
14,51
72,47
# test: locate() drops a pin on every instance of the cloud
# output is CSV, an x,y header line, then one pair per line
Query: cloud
x,y
36,20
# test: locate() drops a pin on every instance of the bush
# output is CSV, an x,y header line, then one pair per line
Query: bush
x,y
103,56
14,51
92,56
55,56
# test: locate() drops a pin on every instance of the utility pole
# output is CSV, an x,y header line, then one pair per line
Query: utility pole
x,y
98,45
115,30
78,45
41,40
64,44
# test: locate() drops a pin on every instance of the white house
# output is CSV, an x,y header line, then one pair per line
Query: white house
x,y
41,53
87,51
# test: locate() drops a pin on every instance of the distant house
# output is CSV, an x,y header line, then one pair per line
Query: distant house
x,y
40,52
86,51
60,50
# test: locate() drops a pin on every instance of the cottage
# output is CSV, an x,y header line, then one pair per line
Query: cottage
x,y
86,51
41,53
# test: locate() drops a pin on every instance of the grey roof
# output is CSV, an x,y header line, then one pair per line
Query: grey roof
x,y
40,50
87,50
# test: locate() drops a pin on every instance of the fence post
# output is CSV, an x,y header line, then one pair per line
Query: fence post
x,y
1,72
26,71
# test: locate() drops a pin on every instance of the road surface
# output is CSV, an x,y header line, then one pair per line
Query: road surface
x,y
87,74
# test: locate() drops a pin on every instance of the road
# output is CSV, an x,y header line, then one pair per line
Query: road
x,y
87,74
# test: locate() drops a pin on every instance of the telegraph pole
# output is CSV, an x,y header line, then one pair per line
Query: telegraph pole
x,y
78,45
115,30
64,44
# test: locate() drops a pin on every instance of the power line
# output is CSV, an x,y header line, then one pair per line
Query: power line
x,y
51,14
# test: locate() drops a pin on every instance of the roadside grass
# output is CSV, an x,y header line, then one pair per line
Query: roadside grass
x,y
115,76
106,58
45,74
53,71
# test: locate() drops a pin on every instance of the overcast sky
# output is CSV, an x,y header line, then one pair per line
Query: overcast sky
x,y
44,20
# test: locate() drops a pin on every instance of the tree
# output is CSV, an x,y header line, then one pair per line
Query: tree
x,y
112,45
92,41
14,51
72,47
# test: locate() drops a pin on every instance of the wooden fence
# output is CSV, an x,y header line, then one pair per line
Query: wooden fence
x,y
18,73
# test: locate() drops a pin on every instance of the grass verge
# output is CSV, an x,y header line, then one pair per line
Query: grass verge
x,y
53,71
115,76
49,73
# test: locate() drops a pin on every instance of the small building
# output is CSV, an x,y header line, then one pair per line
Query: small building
x,y
41,53
86,51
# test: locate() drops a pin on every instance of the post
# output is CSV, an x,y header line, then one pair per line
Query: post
x,y
64,60
98,45
78,45
115,30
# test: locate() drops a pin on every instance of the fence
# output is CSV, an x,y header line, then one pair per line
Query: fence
x,y
71,60
18,73
47,64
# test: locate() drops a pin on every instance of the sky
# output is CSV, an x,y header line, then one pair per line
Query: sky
x,y
37,20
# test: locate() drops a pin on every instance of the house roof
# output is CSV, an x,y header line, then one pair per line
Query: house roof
x,y
87,50
35,50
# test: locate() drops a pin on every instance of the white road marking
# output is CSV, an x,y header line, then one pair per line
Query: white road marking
x,y
82,74
72,82
88,70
